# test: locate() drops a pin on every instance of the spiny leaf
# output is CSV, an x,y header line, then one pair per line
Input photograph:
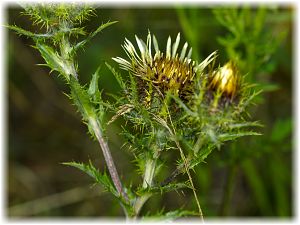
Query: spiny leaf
x,y
162,189
170,216
202,155
27,33
182,105
98,177
93,34
93,90
229,136
117,76
122,110
244,124
53,60
81,99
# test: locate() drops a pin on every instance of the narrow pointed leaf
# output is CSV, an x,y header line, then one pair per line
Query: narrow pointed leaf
x,y
93,34
98,177
93,88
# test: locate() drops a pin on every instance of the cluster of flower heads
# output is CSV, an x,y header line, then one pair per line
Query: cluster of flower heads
x,y
171,71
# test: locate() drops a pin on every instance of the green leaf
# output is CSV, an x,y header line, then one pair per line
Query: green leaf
x,y
245,124
82,100
163,189
203,154
98,177
93,90
269,87
170,216
27,33
96,99
117,76
121,111
230,136
213,136
53,60
93,34
183,106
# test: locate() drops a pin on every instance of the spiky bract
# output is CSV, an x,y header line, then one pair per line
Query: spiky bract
x,y
51,15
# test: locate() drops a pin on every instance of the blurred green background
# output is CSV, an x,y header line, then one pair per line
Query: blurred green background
x,y
252,177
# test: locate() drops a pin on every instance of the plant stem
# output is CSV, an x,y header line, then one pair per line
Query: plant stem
x,y
149,172
107,156
186,167
173,175
92,118
191,180
139,204
147,182
179,169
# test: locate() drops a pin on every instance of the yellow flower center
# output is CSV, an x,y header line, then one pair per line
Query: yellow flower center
x,y
171,74
226,79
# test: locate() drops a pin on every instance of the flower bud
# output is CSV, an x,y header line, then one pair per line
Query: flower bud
x,y
225,81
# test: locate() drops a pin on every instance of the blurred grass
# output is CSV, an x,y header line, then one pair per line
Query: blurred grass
x,y
45,130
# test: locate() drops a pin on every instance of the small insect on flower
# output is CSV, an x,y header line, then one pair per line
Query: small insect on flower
x,y
167,71
225,81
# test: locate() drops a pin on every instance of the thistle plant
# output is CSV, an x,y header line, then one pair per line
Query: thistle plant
x,y
175,103
171,103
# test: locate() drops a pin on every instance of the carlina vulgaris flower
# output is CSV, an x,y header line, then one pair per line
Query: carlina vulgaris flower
x,y
169,71
225,84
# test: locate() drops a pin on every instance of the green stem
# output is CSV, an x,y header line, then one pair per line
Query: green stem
x,y
191,181
179,169
140,203
89,112
149,172
185,161
147,182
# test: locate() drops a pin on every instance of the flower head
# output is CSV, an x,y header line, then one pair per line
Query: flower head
x,y
52,15
226,81
169,71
